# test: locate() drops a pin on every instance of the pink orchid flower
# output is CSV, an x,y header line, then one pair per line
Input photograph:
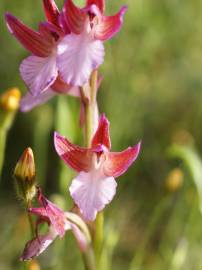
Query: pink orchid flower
x,y
58,224
65,49
95,185
82,51
40,71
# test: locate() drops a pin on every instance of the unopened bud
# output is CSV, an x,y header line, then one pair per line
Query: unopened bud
x,y
10,99
174,180
25,175
33,265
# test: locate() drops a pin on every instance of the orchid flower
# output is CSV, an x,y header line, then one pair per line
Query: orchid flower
x,y
58,222
82,51
65,49
39,71
95,185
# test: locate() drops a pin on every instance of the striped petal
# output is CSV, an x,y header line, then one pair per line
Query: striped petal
x,y
38,73
78,158
33,41
108,26
102,134
50,31
74,16
63,23
117,163
51,11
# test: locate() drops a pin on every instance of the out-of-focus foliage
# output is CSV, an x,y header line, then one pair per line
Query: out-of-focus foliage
x,y
152,90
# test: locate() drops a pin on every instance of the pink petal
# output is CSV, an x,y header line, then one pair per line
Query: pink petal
x,y
63,88
28,102
39,211
117,163
91,192
78,158
50,31
75,17
63,23
74,91
78,56
109,25
38,73
51,11
55,215
31,40
99,3
37,245
102,134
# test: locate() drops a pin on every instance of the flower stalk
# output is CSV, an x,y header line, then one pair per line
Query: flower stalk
x,y
91,123
90,105
9,104
98,237
89,260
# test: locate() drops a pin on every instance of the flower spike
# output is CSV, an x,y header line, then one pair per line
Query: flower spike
x,y
95,186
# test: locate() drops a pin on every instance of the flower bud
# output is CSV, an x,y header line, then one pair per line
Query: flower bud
x,y
10,99
25,175
33,265
174,180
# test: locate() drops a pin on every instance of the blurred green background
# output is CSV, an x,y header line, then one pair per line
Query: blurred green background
x,y
152,90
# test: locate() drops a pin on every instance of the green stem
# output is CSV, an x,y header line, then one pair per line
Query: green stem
x,y
30,220
90,107
2,148
6,120
98,237
89,261
90,104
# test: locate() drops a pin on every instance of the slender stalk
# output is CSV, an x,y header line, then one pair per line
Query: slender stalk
x,y
30,220
6,120
90,104
28,204
2,147
89,260
90,109
98,237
